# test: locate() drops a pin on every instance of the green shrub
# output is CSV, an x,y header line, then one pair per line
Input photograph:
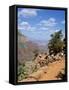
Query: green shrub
x,y
22,74
56,43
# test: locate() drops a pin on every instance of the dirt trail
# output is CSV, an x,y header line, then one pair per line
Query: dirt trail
x,y
53,70
47,72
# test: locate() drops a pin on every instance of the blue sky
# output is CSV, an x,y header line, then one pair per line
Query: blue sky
x,y
39,24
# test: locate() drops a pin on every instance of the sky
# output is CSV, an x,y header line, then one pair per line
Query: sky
x,y
39,24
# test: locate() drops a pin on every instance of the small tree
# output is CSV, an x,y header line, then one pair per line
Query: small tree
x,y
56,43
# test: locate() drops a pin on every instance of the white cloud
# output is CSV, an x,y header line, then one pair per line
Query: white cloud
x,y
43,25
57,30
48,23
27,13
43,28
26,26
63,22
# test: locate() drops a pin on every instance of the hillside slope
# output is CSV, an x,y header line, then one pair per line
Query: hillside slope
x,y
49,72
26,48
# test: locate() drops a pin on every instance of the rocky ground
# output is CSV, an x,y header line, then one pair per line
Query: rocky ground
x,y
48,72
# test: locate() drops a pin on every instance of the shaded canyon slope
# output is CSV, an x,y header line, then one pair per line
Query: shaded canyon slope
x,y
26,49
